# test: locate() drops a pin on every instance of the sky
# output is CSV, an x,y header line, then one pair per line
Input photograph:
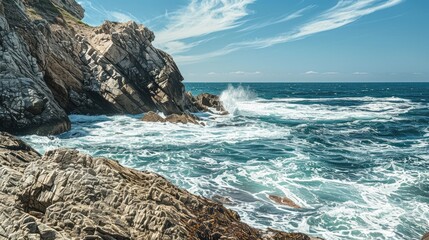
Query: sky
x,y
283,40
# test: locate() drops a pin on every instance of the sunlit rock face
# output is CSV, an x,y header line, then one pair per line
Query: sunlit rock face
x,y
53,64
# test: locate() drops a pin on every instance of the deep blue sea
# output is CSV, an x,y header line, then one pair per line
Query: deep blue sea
x,y
355,156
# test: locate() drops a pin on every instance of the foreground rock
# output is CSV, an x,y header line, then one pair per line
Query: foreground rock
x,y
66,194
52,64
183,118
426,236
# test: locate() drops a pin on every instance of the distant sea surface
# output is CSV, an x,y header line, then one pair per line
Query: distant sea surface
x,y
355,156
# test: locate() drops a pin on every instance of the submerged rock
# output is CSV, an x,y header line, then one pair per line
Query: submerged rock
x,y
52,64
184,118
66,194
283,201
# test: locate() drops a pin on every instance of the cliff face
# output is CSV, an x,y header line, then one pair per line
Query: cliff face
x,y
69,195
52,64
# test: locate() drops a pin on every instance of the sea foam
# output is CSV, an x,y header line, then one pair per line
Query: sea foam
x,y
356,165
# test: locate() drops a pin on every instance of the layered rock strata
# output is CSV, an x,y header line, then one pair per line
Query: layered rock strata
x,y
52,64
66,194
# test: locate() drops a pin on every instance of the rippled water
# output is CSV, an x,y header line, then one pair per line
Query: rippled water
x,y
354,156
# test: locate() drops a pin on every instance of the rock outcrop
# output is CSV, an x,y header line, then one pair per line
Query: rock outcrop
x,y
52,64
206,102
66,194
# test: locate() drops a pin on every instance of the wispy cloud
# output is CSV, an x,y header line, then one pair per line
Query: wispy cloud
x,y
311,72
96,14
236,73
200,18
282,19
245,73
343,13
360,73
331,73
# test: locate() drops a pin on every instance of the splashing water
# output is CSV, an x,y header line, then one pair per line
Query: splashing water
x,y
354,156
231,96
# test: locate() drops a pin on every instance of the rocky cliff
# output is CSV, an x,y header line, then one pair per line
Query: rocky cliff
x,y
52,64
66,194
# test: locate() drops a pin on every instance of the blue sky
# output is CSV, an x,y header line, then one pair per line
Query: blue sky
x,y
283,40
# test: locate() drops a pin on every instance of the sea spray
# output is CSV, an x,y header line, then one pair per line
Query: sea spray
x,y
232,95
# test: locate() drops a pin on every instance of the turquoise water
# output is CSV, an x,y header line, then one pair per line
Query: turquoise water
x,y
354,156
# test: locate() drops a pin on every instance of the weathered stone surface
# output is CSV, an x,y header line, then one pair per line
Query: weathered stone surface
x,y
52,64
70,195
426,236
207,101
283,201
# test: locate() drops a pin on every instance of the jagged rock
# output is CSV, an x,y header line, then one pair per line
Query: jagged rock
x,y
184,118
206,102
426,236
52,64
283,201
152,117
70,195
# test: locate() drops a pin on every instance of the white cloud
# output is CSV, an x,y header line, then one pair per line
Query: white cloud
x,y
311,72
360,73
330,73
245,73
97,14
343,13
236,73
283,19
200,18
120,17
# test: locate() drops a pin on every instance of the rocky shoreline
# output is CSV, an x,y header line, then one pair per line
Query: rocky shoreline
x,y
66,194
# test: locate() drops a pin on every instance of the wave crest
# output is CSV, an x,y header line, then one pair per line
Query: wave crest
x,y
232,95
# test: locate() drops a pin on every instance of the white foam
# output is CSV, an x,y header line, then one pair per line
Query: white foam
x,y
241,101
365,203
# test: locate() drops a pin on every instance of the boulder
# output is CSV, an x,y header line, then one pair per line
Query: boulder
x,y
206,102
152,117
183,118
283,201
66,194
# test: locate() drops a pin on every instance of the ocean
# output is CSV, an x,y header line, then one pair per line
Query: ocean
x,y
354,156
